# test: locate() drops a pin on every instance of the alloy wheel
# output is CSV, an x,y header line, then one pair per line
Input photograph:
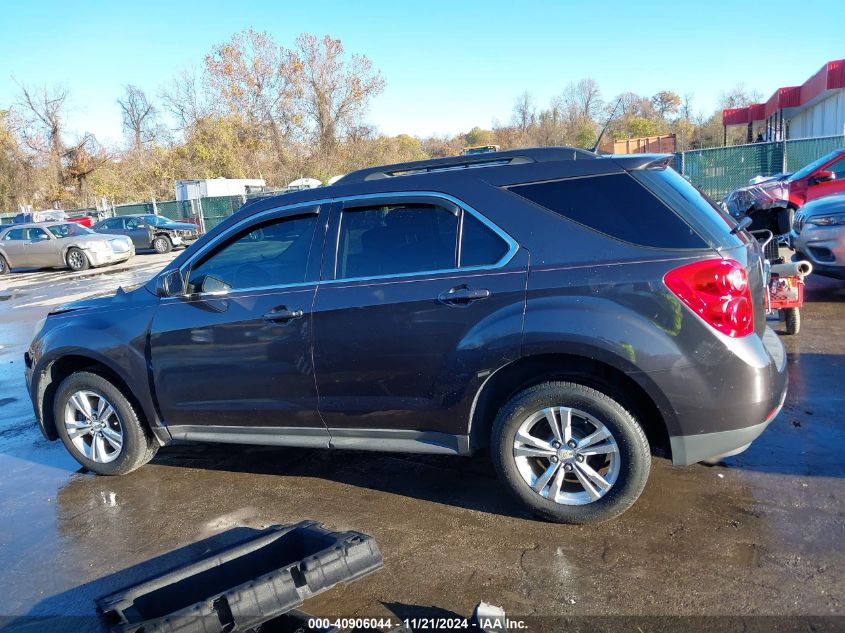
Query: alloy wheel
x,y
93,426
76,260
566,455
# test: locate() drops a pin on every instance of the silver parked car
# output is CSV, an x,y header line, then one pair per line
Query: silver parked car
x,y
59,245
818,235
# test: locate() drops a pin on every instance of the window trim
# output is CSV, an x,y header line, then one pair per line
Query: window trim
x,y
513,247
324,204
258,218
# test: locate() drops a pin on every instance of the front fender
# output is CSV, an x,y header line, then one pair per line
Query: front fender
x,y
115,339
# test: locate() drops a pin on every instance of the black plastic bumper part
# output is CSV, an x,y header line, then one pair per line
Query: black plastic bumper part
x,y
246,585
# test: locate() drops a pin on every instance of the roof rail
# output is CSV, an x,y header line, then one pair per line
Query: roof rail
x,y
490,159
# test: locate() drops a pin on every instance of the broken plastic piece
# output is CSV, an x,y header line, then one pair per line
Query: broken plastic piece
x,y
243,586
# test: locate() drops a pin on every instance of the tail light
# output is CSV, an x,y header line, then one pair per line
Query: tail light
x,y
717,291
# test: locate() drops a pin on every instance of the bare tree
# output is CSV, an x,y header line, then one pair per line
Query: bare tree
x,y
583,99
334,91
43,112
138,116
183,100
42,128
524,112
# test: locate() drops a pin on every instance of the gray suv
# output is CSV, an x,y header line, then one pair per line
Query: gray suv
x,y
568,313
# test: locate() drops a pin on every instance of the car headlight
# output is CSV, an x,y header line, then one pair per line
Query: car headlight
x,y
834,219
98,246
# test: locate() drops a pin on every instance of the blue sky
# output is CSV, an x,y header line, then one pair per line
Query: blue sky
x,y
448,65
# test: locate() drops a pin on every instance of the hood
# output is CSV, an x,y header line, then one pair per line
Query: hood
x,y
118,298
179,226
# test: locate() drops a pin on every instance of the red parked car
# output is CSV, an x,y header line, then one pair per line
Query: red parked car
x,y
822,177
52,215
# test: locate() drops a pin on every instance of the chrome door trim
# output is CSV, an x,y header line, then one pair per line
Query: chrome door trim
x,y
513,247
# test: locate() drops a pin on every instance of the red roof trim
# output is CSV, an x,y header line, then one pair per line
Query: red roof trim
x,y
831,76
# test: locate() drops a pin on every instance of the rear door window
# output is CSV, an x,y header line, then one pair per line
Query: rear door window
x,y
615,205
396,239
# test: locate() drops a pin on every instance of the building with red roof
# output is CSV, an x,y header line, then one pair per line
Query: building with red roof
x,y
815,108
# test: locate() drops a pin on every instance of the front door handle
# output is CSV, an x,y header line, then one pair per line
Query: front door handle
x,y
462,295
282,315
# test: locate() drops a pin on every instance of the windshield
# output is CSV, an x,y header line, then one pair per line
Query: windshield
x,y
68,230
809,169
155,220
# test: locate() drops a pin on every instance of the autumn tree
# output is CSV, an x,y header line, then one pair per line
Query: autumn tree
x,y
665,102
254,77
139,116
334,91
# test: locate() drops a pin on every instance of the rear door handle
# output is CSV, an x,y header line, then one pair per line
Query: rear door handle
x,y
282,315
462,295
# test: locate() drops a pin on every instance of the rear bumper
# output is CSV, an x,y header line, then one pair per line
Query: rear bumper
x,y
723,405
689,449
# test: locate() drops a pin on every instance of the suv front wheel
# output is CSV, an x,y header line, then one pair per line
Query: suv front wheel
x,y
99,426
572,454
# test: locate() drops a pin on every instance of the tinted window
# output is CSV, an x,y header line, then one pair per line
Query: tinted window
x,y
396,239
806,170
68,230
37,234
837,168
271,253
114,223
14,234
479,245
615,205
678,193
134,223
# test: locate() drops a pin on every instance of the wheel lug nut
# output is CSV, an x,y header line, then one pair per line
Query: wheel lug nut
x,y
555,444
571,444
579,458
553,459
567,467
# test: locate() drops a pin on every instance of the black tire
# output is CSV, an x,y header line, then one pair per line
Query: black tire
x,y
162,244
138,445
634,455
76,259
4,266
792,317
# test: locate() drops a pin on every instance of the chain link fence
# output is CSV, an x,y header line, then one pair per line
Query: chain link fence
x,y
719,170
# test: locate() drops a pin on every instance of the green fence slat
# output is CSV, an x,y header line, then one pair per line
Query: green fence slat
x,y
720,170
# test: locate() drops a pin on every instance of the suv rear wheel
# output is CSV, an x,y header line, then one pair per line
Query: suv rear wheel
x,y
99,426
572,454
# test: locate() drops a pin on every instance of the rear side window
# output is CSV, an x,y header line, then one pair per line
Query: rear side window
x,y
14,234
480,246
615,205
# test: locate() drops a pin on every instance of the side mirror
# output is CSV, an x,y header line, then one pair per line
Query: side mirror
x,y
170,284
823,176
214,286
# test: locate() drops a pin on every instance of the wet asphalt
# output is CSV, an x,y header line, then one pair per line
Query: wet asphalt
x,y
759,535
